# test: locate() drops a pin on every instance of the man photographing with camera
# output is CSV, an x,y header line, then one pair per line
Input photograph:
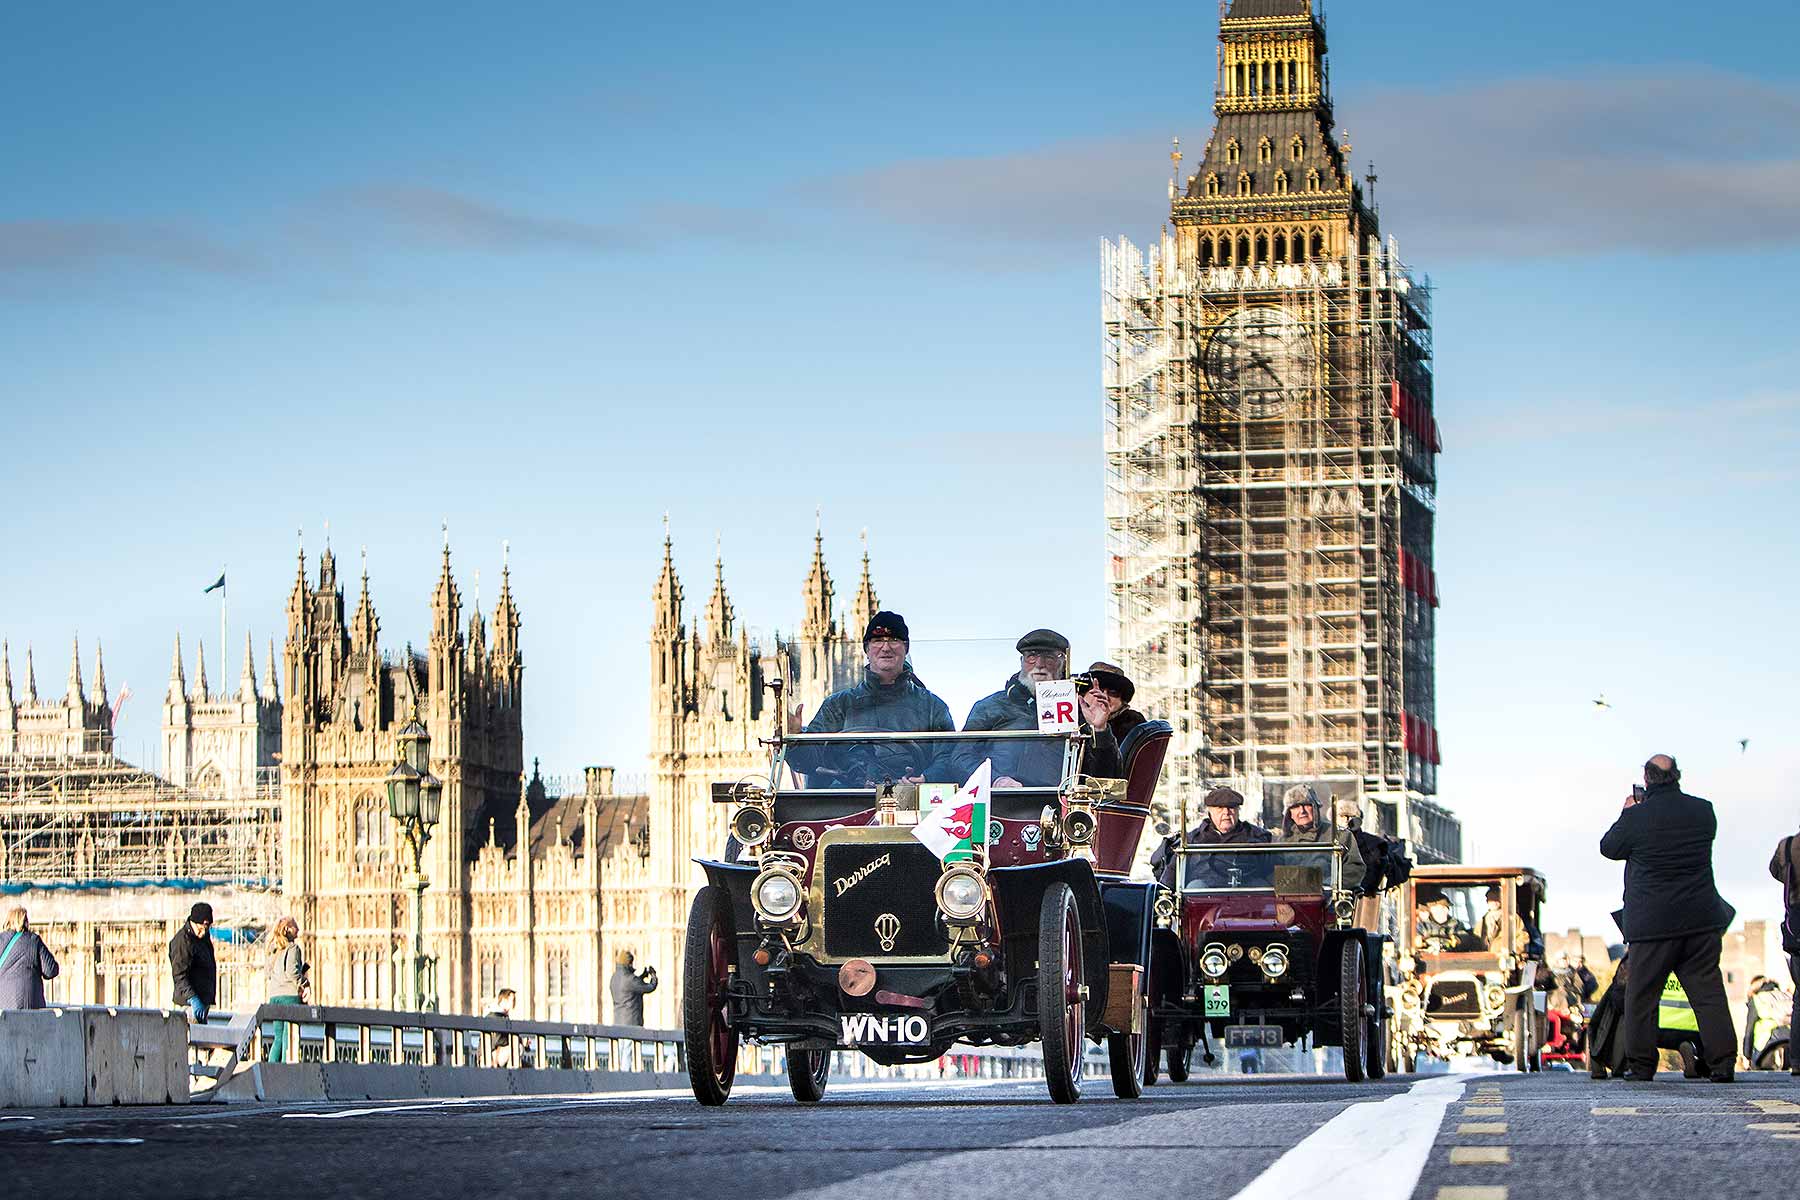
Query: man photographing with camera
x,y
1674,918
629,987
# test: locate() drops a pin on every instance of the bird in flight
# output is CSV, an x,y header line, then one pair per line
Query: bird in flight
x,y
1602,702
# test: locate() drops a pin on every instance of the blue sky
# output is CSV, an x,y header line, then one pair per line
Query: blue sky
x,y
548,275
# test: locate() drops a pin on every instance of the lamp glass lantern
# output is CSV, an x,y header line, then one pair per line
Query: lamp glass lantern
x,y
431,798
403,788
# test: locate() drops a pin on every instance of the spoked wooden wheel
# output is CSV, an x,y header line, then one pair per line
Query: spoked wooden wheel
x,y
1128,1054
1061,1012
1353,988
808,1072
712,1043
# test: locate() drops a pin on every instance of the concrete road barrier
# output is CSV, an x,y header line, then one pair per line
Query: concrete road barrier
x,y
62,1057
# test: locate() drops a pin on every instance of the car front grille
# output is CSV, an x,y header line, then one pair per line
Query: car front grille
x,y
879,901
1453,998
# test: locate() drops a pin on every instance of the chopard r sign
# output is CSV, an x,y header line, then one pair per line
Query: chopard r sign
x,y
844,883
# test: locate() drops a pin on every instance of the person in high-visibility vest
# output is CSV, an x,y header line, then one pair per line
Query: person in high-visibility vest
x,y
1673,1012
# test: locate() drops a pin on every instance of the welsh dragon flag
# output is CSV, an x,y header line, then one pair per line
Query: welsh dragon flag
x,y
956,828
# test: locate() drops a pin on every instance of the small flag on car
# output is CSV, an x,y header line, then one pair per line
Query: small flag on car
x,y
216,586
956,829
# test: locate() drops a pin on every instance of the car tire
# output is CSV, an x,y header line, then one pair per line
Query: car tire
x,y
808,1072
1375,1039
1179,1053
1062,1020
1353,1027
710,1040
1128,1052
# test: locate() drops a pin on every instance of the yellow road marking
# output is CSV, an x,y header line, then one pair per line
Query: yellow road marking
x,y
1476,1110
1776,1126
1792,1137
1471,1156
1471,1193
1777,1106
1615,1112
1482,1127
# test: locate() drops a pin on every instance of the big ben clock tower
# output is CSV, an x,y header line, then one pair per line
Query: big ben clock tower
x,y
1271,458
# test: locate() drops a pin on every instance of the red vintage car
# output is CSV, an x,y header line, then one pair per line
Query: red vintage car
x,y
1257,949
829,924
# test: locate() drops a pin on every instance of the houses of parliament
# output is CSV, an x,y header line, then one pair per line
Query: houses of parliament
x,y
271,799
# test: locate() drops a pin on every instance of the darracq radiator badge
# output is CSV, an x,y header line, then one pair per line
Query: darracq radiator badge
x,y
844,883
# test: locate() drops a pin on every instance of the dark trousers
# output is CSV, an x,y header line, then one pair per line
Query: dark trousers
x,y
1694,960
1794,1020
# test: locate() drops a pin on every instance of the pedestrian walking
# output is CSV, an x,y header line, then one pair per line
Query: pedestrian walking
x,y
285,974
1785,866
195,973
504,1051
25,962
1674,918
629,988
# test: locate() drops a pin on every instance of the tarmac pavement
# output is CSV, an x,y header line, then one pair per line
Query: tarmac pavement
x,y
1497,1136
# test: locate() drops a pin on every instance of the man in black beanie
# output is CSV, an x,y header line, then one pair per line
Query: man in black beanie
x,y
191,963
889,699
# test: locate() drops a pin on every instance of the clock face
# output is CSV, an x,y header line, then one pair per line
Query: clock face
x,y
1256,359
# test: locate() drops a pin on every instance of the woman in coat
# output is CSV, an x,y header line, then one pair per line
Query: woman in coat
x,y
25,962
285,975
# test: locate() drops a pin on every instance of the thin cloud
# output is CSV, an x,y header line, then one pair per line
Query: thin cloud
x,y
446,218
67,246
1658,164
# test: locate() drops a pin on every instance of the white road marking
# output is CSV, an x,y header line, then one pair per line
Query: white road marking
x,y
342,1113
98,1142
1471,1193
1382,1146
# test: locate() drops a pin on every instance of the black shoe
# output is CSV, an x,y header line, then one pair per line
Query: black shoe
x,y
1636,1076
1728,1075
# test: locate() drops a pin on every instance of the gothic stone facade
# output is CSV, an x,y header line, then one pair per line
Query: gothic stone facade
x,y
709,707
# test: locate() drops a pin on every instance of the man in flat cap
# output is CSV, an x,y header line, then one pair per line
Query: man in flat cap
x,y
1223,826
889,699
1043,656
1106,709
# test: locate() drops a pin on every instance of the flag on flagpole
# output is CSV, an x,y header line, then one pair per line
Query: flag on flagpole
x,y
216,586
956,829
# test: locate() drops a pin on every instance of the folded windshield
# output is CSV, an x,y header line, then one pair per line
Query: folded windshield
x,y
1285,870
929,712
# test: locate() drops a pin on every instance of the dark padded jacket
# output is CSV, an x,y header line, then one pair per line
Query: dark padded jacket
x,y
1034,764
1162,862
1665,842
904,706
191,963
23,973
1103,759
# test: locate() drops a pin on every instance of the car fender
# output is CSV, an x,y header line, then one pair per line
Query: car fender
x,y
1019,894
735,879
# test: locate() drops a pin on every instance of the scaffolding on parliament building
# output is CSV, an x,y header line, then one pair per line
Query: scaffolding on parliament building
x,y
1269,579
93,821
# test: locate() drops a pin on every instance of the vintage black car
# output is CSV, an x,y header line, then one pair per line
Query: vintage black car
x,y
832,926
1257,949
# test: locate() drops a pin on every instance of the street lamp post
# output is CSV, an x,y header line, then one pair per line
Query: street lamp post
x,y
414,799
